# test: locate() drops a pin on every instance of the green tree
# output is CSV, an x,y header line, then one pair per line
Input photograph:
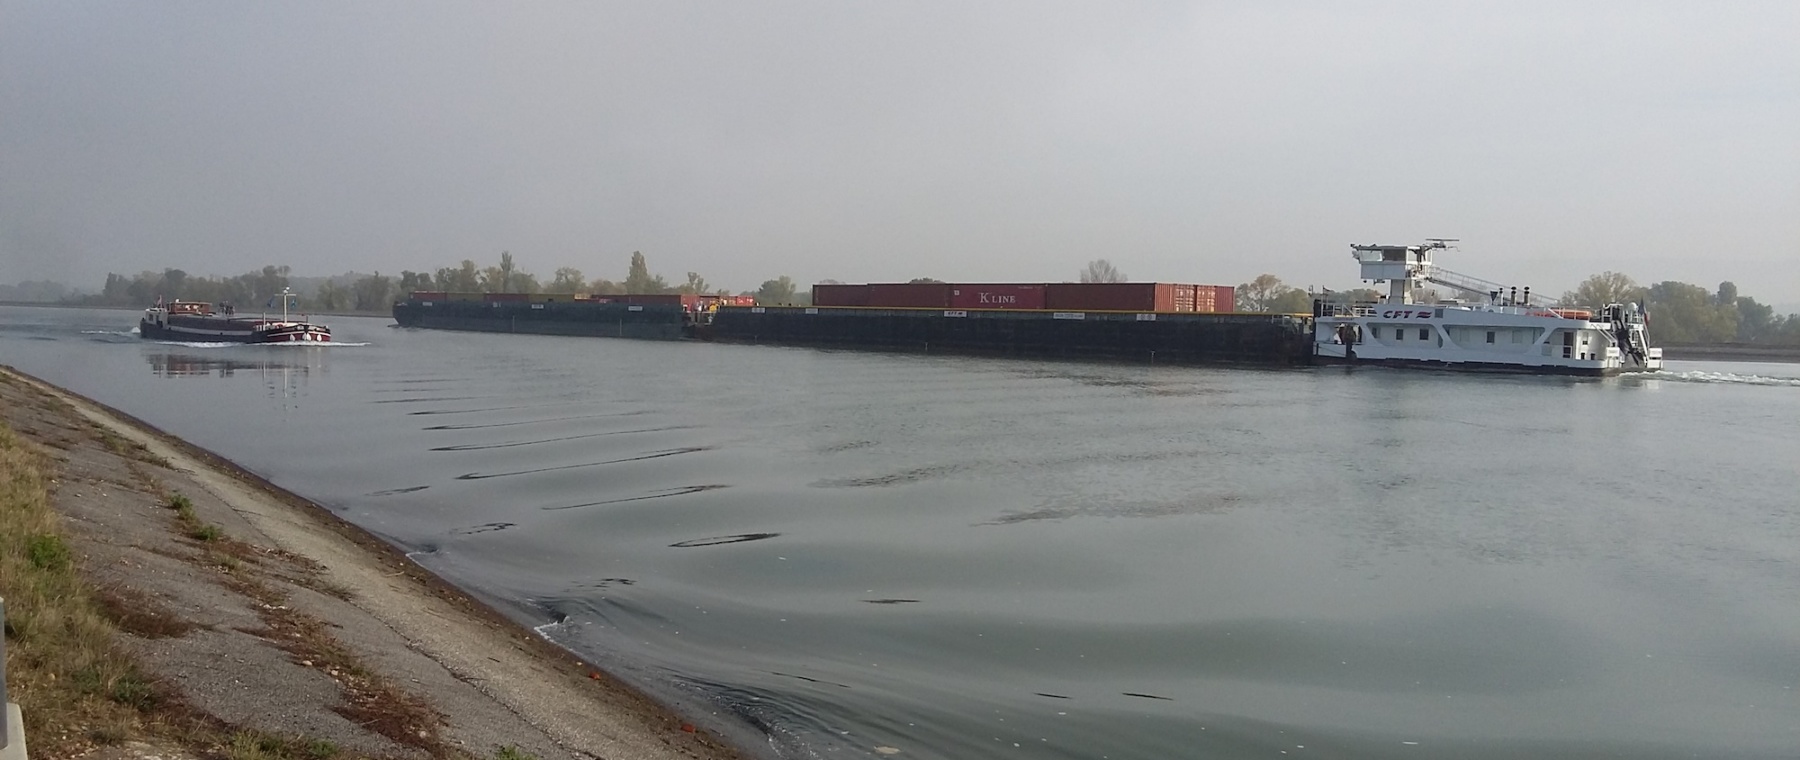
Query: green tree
x,y
173,283
1354,295
117,290
1101,270
1603,289
271,280
492,280
1684,313
1267,293
567,280
506,271
463,279
638,279
1756,321
921,280
1784,331
696,285
332,297
373,293
776,292
411,281
1291,301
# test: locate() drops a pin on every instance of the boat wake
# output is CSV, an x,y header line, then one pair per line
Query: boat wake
x,y
226,344
1726,378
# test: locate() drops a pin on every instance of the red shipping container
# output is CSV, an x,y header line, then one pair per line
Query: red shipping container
x,y
1224,298
932,295
1184,297
1110,296
684,300
997,296
840,295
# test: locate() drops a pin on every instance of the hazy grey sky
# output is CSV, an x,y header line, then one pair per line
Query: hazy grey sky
x,y
985,141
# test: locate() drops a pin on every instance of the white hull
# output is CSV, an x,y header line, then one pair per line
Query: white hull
x,y
1505,334
1484,338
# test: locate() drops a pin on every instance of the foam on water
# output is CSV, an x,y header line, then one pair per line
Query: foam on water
x,y
226,344
1731,378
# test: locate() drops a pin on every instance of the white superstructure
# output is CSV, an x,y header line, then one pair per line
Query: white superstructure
x,y
1494,328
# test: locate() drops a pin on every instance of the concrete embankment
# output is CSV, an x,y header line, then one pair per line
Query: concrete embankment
x,y
255,616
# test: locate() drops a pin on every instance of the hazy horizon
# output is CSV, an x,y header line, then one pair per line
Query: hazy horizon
x,y
875,142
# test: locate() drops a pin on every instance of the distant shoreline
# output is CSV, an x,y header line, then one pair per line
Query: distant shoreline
x,y
61,305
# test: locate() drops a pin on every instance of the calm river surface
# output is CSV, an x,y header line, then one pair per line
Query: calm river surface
x,y
972,558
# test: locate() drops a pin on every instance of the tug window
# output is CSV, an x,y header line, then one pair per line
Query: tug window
x,y
1424,334
1490,336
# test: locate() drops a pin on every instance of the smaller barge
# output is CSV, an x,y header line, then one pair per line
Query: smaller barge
x,y
200,322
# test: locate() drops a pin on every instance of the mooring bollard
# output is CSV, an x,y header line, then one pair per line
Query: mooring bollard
x,y
12,725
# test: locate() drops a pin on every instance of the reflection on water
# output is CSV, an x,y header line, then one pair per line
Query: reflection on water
x,y
182,364
283,373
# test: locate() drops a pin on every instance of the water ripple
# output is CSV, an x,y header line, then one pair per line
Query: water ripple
x,y
717,540
512,444
516,423
652,455
682,491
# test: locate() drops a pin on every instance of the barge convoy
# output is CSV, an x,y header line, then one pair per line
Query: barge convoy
x,y
1496,329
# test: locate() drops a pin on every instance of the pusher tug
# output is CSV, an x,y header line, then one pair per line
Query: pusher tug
x,y
1497,330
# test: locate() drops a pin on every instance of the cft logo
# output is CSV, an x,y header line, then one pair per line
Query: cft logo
x,y
1406,314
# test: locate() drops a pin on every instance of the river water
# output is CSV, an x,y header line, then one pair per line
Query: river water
x,y
944,557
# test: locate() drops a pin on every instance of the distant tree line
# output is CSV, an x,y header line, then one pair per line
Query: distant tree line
x,y
245,291
35,291
1681,312
377,292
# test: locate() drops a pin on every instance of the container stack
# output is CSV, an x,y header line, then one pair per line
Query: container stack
x,y
1063,296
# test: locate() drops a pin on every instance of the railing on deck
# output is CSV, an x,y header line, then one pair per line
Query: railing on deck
x,y
12,727
1372,308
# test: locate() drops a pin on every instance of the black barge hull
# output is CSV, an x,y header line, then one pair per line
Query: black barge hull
x,y
603,320
1175,338
1161,337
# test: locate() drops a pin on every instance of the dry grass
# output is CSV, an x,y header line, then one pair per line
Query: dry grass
x,y
257,745
128,449
64,670
141,615
80,689
369,700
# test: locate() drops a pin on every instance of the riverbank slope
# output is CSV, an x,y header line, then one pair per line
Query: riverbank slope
x,y
253,618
